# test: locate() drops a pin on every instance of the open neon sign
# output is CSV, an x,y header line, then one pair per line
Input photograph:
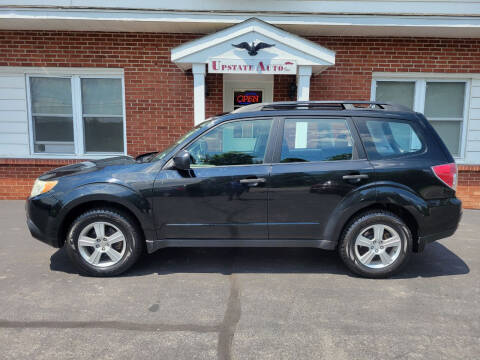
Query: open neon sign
x,y
248,97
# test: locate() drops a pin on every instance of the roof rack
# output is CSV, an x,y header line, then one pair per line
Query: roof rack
x,y
324,105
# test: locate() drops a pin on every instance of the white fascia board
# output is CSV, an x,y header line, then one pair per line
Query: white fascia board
x,y
325,56
60,71
23,15
405,7
422,75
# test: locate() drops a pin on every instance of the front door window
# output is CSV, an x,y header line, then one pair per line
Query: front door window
x,y
234,143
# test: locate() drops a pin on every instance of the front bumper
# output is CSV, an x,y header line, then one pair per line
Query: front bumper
x,y
41,219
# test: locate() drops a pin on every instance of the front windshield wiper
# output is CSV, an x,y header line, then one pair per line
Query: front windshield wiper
x,y
142,158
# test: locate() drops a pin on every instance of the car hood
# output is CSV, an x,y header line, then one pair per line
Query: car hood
x,y
87,166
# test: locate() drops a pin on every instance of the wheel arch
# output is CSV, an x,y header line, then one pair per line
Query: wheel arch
x,y
395,209
112,196
82,207
400,201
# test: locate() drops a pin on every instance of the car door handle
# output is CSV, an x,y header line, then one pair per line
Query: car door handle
x,y
252,181
355,177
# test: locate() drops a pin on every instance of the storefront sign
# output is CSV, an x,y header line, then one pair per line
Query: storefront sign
x,y
248,66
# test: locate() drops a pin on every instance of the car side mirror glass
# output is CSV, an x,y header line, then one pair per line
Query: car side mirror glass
x,y
181,161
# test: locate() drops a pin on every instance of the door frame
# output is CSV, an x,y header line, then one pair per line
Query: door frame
x,y
232,82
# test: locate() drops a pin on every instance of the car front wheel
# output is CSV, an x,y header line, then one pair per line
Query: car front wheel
x,y
104,242
376,244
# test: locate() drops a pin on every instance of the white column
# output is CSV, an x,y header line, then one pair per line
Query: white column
x,y
303,82
198,71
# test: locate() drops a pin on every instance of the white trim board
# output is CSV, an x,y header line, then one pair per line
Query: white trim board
x,y
417,75
368,21
411,7
5,70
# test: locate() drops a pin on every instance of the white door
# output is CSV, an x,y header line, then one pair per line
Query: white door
x,y
240,90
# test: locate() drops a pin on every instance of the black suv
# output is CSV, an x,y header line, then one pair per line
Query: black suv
x,y
372,180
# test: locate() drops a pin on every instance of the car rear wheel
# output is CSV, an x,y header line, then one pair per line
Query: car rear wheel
x,y
376,244
104,242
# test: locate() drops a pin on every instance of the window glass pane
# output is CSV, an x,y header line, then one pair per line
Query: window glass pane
x,y
223,146
316,140
51,108
444,99
103,134
51,95
102,96
389,138
53,128
404,136
397,92
450,132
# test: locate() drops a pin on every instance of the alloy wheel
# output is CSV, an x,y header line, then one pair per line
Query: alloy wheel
x,y
377,246
101,244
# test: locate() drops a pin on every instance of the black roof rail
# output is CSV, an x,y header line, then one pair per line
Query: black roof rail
x,y
324,105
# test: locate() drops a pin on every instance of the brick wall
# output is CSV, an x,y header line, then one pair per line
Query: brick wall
x,y
468,189
356,59
17,175
159,96
281,87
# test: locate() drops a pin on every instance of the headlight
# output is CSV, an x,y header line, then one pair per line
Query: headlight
x,y
40,187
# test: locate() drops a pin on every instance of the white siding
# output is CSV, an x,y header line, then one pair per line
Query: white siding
x,y
472,153
13,116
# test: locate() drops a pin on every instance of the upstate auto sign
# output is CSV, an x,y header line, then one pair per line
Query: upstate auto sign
x,y
252,66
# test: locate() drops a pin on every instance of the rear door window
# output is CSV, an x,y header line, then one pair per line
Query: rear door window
x,y
387,138
316,139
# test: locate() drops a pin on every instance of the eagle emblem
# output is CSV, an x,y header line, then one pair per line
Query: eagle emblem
x,y
252,49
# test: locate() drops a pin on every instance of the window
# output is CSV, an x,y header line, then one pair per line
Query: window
x,y
220,146
309,139
76,115
52,115
389,138
442,102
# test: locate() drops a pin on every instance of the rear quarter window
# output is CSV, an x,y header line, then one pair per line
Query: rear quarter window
x,y
389,138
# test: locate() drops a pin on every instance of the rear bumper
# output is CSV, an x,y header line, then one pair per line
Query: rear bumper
x,y
424,240
444,217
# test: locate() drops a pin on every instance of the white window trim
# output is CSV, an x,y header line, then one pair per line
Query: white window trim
x,y
76,74
420,93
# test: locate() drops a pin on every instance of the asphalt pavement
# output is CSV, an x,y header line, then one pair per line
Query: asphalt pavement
x,y
258,303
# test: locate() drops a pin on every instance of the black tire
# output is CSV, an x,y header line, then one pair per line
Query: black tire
x,y
127,225
356,226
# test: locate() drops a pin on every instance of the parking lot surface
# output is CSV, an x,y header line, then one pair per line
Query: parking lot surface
x,y
238,303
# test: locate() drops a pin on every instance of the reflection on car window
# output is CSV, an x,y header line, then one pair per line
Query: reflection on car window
x,y
235,143
162,154
319,139
391,138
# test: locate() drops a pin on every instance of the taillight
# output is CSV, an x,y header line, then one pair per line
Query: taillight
x,y
447,173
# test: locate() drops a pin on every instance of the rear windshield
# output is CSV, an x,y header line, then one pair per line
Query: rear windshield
x,y
388,138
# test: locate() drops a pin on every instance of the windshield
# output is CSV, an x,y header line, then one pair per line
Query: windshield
x,y
162,154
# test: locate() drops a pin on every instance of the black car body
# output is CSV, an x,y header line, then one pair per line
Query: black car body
x,y
300,195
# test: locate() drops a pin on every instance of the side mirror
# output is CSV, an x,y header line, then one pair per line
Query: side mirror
x,y
181,161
